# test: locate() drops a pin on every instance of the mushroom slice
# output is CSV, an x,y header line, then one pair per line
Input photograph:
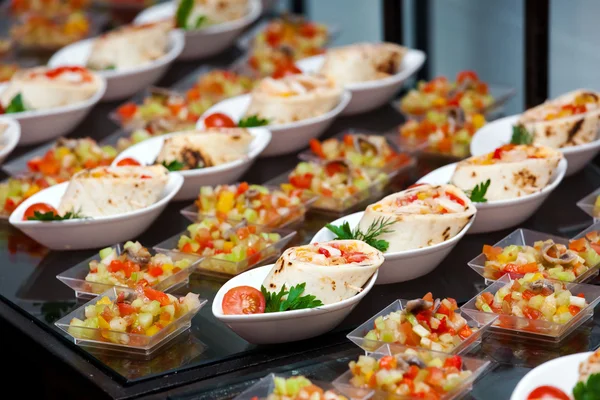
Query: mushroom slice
x,y
539,285
566,258
414,306
363,145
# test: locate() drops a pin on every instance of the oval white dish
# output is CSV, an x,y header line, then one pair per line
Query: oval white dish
x,y
10,137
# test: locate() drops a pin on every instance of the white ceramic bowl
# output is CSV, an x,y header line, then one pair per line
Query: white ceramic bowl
x,y
79,234
286,326
205,42
146,152
499,132
401,266
286,138
562,372
501,214
367,96
41,125
10,137
124,82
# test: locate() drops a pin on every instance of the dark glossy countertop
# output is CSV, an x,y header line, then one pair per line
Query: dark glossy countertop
x,y
210,360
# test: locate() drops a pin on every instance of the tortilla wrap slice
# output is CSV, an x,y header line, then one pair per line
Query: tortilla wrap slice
x,y
362,62
130,46
43,88
105,191
199,149
218,11
567,131
513,171
293,98
424,215
331,278
589,367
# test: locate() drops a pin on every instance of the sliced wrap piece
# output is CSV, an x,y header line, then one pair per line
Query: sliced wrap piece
x,y
362,62
43,88
569,120
293,98
333,271
424,215
105,191
130,46
216,11
201,149
513,171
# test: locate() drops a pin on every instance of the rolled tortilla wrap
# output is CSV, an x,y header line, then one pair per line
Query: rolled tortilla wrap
x,y
362,62
513,171
424,215
199,149
130,46
105,191
566,131
293,98
43,88
217,11
333,271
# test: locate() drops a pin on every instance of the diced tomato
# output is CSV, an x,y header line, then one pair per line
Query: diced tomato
x,y
143,283
454,361
308,29
40,208
387,362
127,110
355,257
243,300
285,70
324,251
574,310
155,271
242,188
349,140
128,161
412,372
455,198
316,148
175,109
193,94
412,339
596,247
435,377
581,295
482,88
466,75
531,313
445,145
161,297
528,294
333,168
187,248
465,332
253,255
488,297
498,153
444,310
302,181
34,164
127,267
219,120
548,393
125,309
428,297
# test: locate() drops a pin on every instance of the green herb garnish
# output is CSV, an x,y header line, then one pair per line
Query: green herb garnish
x,y
174,165
377,228
252,121
589,390
477,194
16,105
274,302
202,20
520,135
51,216
183,13
110,68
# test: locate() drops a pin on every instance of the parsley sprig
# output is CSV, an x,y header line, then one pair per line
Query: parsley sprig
x,y
252,121
183,12
377,228
174,165
274,301
51,216
589,390
477,194
520,135
16,105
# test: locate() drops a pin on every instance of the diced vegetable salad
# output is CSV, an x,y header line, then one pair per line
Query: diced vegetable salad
x,y
533,298
158,105
215,86
300,388
468,92
257,204
424,323
134,266
212,238
7,71
146,312
50,31
552,260
411,373
16,190
443,134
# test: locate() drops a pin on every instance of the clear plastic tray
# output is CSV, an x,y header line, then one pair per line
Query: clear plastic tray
x,y
294,215
264,387
481,321
476,366
524,237
75,277
587,205
538,329
223,268
143,344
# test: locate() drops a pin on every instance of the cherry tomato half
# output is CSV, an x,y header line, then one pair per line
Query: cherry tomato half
x,y
243,300
39,207
547,393
128,161
219,120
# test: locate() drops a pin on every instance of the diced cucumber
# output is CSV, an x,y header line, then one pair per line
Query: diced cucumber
x,y
145,320
137,303
105,252
411,318
421,331
153,308
170,308
436,362
536,301
577,301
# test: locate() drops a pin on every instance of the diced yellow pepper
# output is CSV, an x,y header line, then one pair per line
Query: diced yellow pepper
x,y
439,102
153,330
225,202
167,267
562,309
421,196
478,121
102,323
104,300
227,246
61,152
33,189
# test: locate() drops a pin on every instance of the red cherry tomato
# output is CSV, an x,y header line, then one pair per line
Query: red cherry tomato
x,y
547,393
243,300
219,120
466,75
39,207
128,161
285,70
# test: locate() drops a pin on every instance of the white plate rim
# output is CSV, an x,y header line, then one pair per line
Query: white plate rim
x,y
12,135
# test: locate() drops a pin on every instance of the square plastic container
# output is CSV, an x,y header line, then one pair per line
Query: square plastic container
x,y
75,277
143,344
223,268
592,228
538,329
481,322
476,366
294,214
525,237
264,387
587,205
